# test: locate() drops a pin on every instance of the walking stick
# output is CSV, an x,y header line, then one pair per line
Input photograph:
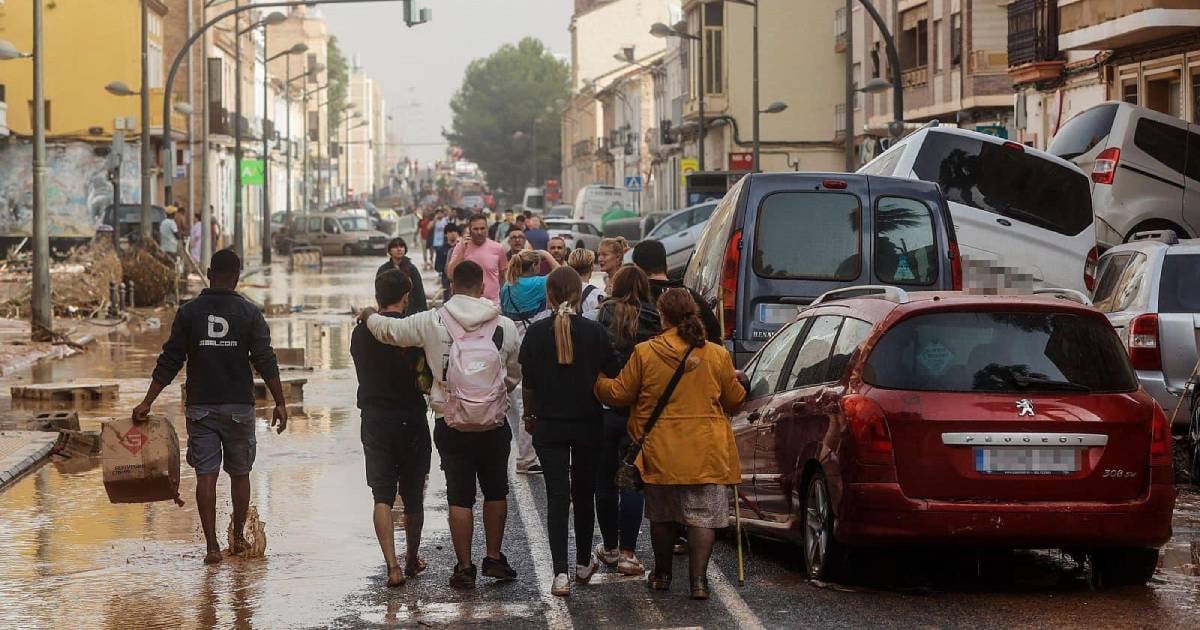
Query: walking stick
x,y
737,519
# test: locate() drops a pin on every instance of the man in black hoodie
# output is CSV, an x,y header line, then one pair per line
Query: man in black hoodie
x,y
220,334
651,257
398,259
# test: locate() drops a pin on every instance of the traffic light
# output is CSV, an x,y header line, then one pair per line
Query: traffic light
x,y
414,16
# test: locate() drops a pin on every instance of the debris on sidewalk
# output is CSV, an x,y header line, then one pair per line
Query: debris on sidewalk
x,y
73,393
78,285
46,421
152,272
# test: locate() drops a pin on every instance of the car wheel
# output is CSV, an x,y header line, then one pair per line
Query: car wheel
x,y
348,250
1122,566
822,553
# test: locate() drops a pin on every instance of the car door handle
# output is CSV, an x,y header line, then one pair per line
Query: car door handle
x,y
754,416
1004,222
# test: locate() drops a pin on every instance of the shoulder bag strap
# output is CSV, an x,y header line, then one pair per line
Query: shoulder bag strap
x,y
631,453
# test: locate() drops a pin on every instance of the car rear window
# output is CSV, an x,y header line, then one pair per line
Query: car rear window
x,y
1178,287
1083,132
815,235
905,245
1006,181
1163,142
1008,351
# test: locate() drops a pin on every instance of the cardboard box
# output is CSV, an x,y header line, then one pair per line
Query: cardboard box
x,y
140,461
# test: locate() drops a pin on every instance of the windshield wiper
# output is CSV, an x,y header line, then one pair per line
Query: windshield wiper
x,y
1026,382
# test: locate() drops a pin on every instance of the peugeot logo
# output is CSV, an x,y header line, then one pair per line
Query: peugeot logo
x,y
1024,407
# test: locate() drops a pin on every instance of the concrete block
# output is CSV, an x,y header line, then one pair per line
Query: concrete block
x,y
290,356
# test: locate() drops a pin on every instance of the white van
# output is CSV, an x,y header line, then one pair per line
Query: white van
x,y
1023,217
534,200
1145,169
593,202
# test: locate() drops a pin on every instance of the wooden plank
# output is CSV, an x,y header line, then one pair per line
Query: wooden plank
x,y
293,389
290,356
66,392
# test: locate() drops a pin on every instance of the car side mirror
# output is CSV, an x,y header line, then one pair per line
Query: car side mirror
x,y
743,380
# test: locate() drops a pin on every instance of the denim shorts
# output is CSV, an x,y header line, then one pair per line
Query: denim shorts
x,y
218,436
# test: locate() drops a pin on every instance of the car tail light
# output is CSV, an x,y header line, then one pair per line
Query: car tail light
x,y
1105,167
1014,146
729,282
868,426
1089,268
834,184
1143,342
956,269
1160,438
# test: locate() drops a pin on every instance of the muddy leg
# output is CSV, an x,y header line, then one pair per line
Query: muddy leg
x,y
206,504
240,489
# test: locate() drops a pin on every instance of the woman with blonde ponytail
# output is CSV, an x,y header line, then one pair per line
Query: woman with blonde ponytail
x,y
561,358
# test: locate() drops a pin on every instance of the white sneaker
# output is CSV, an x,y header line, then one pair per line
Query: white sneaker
x,y
630,566
561,586
606,556
584,572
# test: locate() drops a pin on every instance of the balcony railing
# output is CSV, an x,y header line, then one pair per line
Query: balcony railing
x,y
581,148
915,76
219,121
1032,31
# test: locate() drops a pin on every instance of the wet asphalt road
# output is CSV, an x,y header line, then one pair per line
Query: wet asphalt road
x,y
70,558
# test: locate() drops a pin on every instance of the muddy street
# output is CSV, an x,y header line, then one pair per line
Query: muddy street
x,y
69,557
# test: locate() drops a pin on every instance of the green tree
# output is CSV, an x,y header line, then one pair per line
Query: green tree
x,y
501,100
339,84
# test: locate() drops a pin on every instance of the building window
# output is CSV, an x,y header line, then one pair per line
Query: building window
x,y
1129,91
914,38
937,45
1165,94
154,58
856,72
875,69
956,39
1195,97
839,22
2,98
714,43
312,63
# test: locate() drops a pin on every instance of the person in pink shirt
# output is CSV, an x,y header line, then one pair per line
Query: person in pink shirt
x,y
485,252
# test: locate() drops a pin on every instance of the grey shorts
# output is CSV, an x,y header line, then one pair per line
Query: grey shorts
x,y
218,436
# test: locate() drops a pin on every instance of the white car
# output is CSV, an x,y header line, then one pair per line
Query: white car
x,y
1145,169
575,233
1023,217
678,233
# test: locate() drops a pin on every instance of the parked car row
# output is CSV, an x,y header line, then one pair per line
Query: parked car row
x,y
336,233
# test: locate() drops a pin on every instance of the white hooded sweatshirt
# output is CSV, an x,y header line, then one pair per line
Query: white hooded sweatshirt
x,y
425,330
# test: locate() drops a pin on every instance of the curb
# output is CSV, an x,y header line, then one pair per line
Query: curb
x,y
26,459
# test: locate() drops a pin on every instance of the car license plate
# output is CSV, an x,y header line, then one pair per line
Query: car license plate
x,y
1012,460
777,313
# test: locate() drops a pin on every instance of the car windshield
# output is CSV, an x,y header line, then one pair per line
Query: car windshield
x,y
1177,289
669,227
1083,132
1007,351
355,224
1007,181
560,225
559,211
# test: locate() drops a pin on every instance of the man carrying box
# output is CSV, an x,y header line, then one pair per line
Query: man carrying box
x,y
219,335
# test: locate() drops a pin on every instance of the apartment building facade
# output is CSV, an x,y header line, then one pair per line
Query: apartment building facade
x,y
1069,55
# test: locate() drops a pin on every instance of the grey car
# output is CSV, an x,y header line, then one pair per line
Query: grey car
x,y
1148,289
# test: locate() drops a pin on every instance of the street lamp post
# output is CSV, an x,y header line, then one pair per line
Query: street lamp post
x,y
239,231
287,99
299,48
306,168
896,128
658,29
147,219
41,313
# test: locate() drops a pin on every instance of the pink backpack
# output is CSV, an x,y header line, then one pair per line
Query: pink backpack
x,y
476,396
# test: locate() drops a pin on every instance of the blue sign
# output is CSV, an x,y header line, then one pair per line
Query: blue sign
x,y
634,183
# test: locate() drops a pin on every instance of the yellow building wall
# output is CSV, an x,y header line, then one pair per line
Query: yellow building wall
x,y
88,43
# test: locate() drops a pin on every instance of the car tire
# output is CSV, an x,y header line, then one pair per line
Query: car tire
x,y
348,250
823,556
1183,453
1122,566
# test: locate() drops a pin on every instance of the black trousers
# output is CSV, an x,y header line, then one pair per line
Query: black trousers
x,y
569,451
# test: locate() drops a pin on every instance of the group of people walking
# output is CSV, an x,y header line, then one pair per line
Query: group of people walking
x,y
601,381
618,390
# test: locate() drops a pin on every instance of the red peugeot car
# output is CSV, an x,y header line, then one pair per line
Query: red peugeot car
x,y
882,417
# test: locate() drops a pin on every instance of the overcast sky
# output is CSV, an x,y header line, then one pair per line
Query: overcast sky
x,y
425,64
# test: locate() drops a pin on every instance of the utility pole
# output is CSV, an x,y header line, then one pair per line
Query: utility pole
x,y
757,109
266,156
850,90
206,218
42,316
238,227
147,219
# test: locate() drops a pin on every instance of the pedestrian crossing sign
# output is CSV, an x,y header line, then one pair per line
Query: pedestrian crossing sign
x,y
252,173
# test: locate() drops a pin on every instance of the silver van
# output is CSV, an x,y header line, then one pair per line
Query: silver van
x,y
1144,166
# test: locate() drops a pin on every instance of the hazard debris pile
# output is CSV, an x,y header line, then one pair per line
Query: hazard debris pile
x,y
78,285
152,272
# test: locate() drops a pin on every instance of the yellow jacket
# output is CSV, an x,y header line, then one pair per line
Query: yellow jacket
x,y
692,442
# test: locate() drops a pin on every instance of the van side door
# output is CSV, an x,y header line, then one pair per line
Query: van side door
x,y
909,244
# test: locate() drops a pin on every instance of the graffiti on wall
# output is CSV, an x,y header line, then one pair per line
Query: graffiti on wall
x,y
77,188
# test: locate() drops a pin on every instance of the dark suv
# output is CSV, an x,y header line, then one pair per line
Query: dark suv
x,y
779,240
